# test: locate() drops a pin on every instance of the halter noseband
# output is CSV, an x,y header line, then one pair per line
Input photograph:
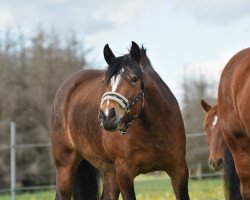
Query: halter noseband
x,y
123,102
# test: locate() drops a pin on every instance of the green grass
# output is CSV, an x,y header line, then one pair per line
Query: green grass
x,y
150,188
160,188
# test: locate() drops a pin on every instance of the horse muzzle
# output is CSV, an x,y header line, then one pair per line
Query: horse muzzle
x,y
109,120
216,165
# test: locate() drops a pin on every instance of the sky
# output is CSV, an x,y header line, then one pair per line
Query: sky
x,y
181,36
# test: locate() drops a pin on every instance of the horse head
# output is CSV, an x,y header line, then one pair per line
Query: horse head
x,y
215,138
122,100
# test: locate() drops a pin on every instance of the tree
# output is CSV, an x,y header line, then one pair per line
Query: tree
x,y
194,89
31,70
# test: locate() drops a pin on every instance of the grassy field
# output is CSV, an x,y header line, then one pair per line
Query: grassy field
x,y
151,188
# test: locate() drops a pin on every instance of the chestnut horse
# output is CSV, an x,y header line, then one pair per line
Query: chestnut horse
x,y
123,121
233,105
215,138
219,154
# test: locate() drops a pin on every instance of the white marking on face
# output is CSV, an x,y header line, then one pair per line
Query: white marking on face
x,y
115,80
215,120
106,112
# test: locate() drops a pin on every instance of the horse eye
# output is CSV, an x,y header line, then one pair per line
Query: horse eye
x,y
134,79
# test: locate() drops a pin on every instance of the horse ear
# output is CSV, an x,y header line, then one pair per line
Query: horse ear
x,y
108,54
205,106
135,52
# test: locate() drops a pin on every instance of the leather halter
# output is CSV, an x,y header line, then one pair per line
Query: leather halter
x,y
123,102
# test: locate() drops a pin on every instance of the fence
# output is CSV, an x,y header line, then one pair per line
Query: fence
x,y
13,147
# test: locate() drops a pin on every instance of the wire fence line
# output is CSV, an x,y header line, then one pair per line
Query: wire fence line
x,y
13,147
29,188
7,147
26,146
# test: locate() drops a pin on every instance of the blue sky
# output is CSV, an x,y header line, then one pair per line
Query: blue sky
x,y
180,35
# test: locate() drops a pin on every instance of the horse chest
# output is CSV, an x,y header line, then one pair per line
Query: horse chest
x,y
97,158
144,156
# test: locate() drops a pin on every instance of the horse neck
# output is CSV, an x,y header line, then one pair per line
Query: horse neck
x,y
154,104
159,100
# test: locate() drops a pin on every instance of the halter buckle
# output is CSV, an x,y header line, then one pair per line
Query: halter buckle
x,y
122,131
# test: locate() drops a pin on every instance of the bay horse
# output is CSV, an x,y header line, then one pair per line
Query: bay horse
x,y
124,121
219,154
233,105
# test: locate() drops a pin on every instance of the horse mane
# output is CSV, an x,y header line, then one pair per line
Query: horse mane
x,y
148,68
145,62
231,180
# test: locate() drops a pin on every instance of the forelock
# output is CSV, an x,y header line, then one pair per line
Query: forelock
x,y
125,62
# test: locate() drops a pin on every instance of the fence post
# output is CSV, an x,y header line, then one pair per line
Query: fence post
x,y
13,160
199,171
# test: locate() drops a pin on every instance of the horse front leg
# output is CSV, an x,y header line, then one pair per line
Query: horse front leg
x,y
125,178
110,187
179,179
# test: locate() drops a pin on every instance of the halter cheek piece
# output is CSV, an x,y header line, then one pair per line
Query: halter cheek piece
x,y
123,102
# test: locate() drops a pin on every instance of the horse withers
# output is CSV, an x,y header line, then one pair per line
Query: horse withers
x,y
219,154
123,121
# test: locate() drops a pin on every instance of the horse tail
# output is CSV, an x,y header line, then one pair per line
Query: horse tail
x,y
86,182
231,180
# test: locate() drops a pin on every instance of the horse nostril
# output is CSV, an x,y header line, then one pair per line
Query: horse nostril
x,y
102,115
220,162
111,113
211,164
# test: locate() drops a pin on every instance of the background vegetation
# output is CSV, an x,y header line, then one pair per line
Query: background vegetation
x,y
195,88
